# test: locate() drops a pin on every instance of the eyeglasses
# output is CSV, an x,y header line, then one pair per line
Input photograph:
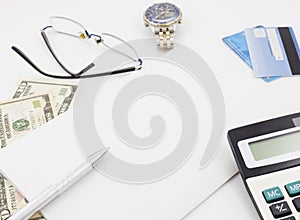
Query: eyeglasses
x,y
73,28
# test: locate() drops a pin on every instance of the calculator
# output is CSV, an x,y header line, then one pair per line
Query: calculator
x,y
267,154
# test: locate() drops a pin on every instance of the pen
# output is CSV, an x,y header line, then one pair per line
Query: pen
x,y
57,189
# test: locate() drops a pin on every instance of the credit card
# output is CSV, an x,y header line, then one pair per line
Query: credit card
x,y
238,44
273,51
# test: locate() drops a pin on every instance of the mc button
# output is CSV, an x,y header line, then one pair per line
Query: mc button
x,y
273,194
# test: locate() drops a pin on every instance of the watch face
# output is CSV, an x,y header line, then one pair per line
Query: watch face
x,y
162,13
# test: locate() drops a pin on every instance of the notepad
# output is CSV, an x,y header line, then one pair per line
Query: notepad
x,y
102,196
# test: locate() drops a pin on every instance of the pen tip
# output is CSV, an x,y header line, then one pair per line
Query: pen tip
x,y
95,158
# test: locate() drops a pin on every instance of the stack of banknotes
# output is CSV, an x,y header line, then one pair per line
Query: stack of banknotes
x,y
33,104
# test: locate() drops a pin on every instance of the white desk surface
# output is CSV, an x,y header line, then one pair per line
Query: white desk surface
x,y
205,23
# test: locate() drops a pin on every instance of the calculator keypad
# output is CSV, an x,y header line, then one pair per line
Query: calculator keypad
x,y
277,195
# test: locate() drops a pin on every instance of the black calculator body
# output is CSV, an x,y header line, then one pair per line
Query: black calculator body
x,y
267,154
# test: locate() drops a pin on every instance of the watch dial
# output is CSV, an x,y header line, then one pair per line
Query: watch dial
x,y
162,13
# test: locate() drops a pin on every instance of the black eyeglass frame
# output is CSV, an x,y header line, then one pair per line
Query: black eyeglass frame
x,y
72,75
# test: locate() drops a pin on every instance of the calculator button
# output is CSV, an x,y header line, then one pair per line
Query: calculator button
x,y
293,189
273,194
280,209
289,218
296,203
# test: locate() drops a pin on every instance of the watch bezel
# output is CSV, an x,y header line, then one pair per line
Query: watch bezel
x,y
156,24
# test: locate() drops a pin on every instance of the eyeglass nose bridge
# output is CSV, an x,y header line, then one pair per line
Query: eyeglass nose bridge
x,y
98,38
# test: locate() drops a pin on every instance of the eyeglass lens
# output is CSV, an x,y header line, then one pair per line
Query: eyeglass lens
x,y
67,26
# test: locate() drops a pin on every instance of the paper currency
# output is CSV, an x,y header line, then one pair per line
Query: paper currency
x,y
20,116
37,216
27,111
62,93
11,200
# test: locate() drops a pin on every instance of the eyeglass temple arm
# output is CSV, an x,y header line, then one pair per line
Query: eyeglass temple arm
x,y
124,70
23,55
114,72
43,33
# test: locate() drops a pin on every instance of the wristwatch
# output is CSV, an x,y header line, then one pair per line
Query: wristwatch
x,y
162,18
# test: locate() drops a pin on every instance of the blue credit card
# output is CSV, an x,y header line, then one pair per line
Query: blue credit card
x,y
238,43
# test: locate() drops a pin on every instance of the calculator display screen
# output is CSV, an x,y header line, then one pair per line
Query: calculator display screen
x,y
275,146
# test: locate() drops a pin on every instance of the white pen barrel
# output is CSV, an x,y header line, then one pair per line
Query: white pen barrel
x,y
36,204
76,175
54,191
51,193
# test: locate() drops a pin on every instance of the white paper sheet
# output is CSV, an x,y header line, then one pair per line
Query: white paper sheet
x,y
49,153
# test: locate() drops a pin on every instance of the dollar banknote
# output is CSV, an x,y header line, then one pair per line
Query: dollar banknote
x,y
62,93
18,117
11,201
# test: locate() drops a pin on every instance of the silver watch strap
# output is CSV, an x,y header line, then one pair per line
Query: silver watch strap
x,y
165,37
